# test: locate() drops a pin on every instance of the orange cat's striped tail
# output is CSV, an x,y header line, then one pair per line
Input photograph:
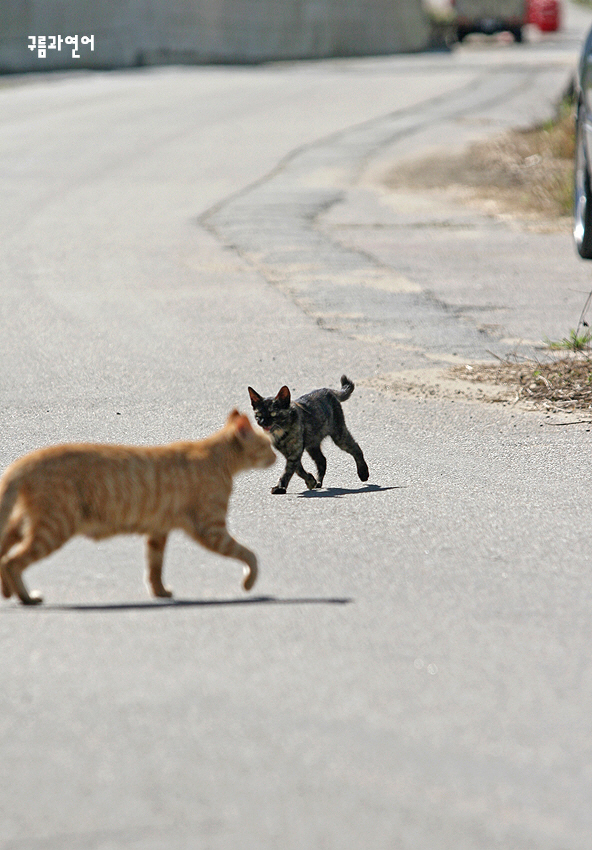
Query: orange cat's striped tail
x,y
9,489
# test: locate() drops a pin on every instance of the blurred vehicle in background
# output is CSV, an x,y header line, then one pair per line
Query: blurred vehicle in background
x,y
582,230
545,14
489,17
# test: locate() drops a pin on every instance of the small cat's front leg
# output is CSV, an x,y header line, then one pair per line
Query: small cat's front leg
x,y
320,462
309,480
294,465
154,555
282,484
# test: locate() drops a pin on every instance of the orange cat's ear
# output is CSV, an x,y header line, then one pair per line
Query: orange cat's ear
x,y
232,416
242,425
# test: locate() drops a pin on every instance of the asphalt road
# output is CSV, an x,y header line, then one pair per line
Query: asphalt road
x,y
412,669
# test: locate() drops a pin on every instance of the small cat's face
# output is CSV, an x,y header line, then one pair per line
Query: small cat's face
x,y
271,414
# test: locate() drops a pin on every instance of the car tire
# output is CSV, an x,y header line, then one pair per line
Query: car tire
x,y
582,232
517,33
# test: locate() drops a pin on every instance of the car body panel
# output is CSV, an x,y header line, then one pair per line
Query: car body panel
x,y
582,230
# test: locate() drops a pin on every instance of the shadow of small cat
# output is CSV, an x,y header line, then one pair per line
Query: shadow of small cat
x,y
296,426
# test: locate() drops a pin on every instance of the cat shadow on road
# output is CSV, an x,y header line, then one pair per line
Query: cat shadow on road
x,y
339,492
195,603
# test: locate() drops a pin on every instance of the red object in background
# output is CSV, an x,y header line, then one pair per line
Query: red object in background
x,y
545,14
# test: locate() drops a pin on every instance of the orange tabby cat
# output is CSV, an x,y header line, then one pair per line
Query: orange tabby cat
x,y
50,495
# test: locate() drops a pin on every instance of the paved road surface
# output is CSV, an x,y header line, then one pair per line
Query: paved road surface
x,y
413,668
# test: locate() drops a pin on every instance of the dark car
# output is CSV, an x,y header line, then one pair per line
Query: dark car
x,y
489,17
583,156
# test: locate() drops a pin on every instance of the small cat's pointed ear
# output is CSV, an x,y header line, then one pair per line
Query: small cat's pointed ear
x,y
284,396
242,425
255,397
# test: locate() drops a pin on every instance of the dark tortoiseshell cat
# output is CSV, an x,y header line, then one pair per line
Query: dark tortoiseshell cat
x,y
304,424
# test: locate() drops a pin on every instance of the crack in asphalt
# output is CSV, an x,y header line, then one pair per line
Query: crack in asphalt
x,y
274,225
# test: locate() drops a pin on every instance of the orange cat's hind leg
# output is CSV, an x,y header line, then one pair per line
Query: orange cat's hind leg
x,y
38,543
12,569
6,586
217,539
154,555
13,536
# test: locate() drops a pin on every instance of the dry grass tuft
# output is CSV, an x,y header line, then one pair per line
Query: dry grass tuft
x,y
562,384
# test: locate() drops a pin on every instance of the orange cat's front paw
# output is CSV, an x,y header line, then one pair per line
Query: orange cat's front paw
x,y
249,577
162,592
33,598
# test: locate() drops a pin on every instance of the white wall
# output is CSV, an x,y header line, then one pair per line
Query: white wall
x,y
146,32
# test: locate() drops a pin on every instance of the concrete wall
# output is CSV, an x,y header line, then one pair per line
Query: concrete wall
x,y
146,32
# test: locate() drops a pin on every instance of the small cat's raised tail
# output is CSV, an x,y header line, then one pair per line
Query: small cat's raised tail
x,y
347,388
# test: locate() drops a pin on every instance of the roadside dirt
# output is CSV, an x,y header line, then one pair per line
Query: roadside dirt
x,y
528,176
